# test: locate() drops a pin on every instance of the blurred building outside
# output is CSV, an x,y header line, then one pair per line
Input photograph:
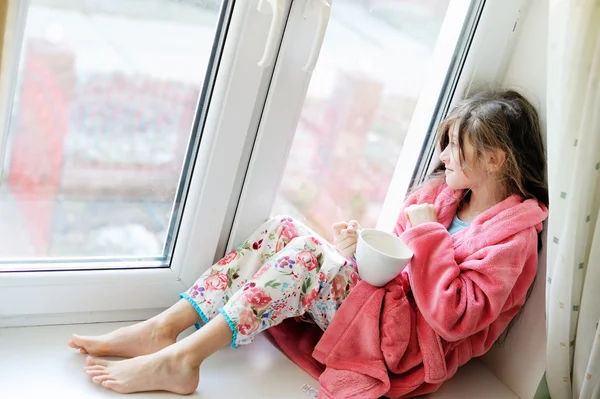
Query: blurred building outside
x,y
101,121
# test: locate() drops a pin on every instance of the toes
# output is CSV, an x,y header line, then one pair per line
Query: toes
x,y
92,361
77,340
101,379
90,368
73,344
96,373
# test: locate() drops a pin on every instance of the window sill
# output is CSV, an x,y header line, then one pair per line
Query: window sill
x,y
42,353
255,371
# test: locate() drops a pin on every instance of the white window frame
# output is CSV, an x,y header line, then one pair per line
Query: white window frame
x,y
240,159
14,31
488,56
236,103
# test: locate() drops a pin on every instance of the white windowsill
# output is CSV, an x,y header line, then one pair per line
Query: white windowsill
x,y
36,362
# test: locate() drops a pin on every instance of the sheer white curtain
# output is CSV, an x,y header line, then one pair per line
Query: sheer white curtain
x,y
573,290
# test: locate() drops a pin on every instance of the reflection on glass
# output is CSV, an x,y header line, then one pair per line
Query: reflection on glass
x,y
104,105
362,95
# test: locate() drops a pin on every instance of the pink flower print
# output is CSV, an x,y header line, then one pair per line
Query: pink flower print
x,y
315,241
261,271
322,277
275,315
280,245
288,229
256,297
248,323
352,276
216,282
338,286
308,259
228,259
289,232
256,246
309,298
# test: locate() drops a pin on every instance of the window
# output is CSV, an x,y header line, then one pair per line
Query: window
x,y
374,63
141,138
114,170
342,141
98,136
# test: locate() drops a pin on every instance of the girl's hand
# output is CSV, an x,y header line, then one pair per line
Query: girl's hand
x,y
345,237
419,214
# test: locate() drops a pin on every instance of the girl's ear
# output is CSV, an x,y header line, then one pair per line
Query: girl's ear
x,y
495,160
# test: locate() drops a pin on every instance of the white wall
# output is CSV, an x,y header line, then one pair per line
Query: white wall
x,y
521,362
527,68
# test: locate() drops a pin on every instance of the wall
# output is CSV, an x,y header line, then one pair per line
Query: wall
x,y
521,362
527,67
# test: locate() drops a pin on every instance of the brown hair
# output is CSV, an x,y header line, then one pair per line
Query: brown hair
x,y
502,120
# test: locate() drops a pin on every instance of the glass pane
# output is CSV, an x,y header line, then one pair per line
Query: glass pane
x,y
372,67
105,102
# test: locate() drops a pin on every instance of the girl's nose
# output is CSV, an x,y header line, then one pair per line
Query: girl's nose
x,y
444,156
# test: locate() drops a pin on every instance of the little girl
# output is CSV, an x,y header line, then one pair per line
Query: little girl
x,y
474,228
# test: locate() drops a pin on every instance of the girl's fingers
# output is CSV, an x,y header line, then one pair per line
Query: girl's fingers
x,y
355,225
342,236
349,233
347,243
339,227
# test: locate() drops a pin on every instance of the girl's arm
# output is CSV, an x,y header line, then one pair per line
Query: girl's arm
x,y
459,300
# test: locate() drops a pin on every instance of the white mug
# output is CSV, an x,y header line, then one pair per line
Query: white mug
x,y
380,256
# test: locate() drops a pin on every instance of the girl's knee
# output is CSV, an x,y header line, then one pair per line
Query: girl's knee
x,y
286,225
301,242
282,220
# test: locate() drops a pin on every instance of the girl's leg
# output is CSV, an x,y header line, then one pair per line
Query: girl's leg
x,y
288,285
307,278
210,292
222,281
174,369
140,339
331,295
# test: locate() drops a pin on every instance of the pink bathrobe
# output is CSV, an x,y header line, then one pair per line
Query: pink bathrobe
x,y
450,304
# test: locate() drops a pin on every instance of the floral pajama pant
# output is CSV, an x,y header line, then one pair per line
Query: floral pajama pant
x,y
284,270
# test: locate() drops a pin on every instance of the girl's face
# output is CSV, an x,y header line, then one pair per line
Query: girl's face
x,y
465,176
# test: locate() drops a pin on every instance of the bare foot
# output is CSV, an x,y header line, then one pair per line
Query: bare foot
x,y
162,371
139,339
